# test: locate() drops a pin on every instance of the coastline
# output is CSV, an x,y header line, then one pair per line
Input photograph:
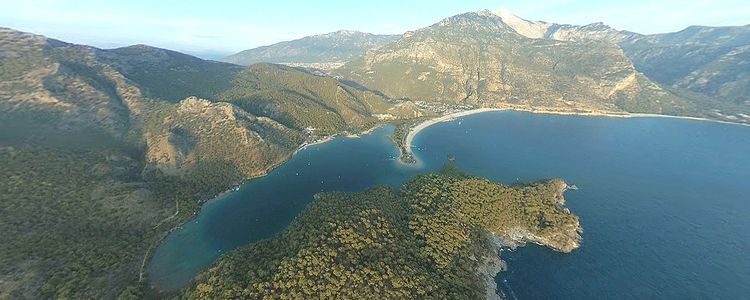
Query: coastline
x,y
517,237
408,140
413,131
304,146
325,139
235,186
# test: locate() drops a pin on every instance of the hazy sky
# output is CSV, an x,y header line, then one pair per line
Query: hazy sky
x,y
228,26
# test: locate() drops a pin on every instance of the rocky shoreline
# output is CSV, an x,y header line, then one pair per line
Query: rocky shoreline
x,y
566,241
489,268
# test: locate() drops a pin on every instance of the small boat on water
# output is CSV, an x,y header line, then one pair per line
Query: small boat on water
x,y
573,187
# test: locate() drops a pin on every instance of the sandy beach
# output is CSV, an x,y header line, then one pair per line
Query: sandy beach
x,y
449,117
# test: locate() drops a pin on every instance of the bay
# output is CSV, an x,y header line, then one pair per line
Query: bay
x,y
663,202
266,205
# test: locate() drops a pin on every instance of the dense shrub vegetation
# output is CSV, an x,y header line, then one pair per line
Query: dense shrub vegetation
x,y
101,153
424,241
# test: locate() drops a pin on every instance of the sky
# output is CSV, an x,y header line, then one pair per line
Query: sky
x,y
218,27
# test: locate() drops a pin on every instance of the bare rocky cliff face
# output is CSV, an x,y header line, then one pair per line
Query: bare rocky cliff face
x,y
560,32
496,59
706,65
481,59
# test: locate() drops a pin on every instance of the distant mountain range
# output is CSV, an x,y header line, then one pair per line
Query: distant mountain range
x,y
106,149
333,48
699,60
710,61
480,59
494,58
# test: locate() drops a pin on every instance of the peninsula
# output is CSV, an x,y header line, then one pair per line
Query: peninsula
x,y
107,150
438,236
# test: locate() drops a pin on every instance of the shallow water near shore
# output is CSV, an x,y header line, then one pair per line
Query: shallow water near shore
x,y
663,202
266,205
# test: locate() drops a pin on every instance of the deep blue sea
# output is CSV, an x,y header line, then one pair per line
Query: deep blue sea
x,y
664,203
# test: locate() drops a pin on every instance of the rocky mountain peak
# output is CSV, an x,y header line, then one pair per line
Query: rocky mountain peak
x,y
504,20
530,29
344,33
481,21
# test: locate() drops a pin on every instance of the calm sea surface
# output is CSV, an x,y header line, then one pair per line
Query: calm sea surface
x,y
664,203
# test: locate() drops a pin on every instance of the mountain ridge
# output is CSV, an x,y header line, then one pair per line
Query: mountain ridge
x,y
478,59
715,89
106,149
563,32
708,61
491,59
132,140
331,48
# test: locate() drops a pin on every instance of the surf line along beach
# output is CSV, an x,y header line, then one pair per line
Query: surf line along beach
x,y
413,131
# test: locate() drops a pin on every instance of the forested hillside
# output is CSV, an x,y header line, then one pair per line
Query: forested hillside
x,y
430,240
106,150
102,151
